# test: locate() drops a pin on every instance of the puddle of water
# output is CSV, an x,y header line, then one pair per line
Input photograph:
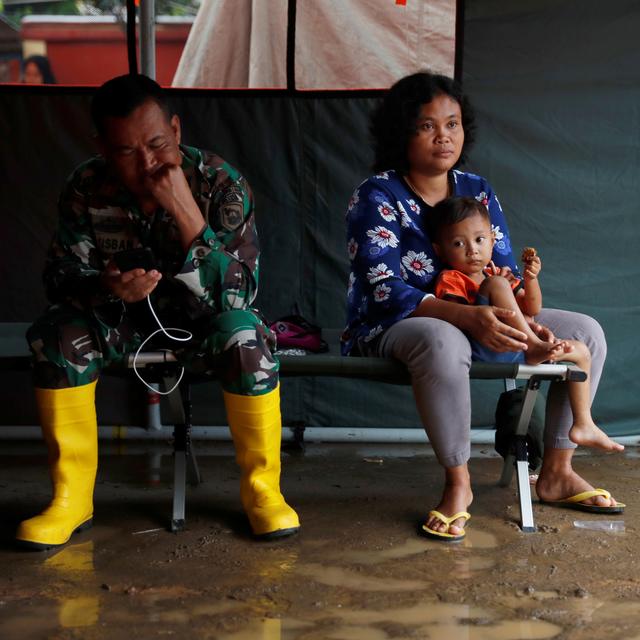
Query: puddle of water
x,y
477,539
214,609
358,633
172,616
505,630
338,577
72,559
572,609
45,619
428,618
426,612
465,566
274,566
29,621
79,612
269,629
545,595
627,611
411,547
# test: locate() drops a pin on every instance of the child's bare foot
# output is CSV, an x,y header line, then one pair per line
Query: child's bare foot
x,y
538,352
590,435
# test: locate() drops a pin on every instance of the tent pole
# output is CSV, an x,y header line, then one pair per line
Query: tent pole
x,y
132,56
148,38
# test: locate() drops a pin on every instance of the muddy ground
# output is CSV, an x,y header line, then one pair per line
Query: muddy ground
x,y
358,569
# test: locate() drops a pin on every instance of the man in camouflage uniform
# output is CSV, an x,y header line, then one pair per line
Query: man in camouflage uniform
x,y
196,213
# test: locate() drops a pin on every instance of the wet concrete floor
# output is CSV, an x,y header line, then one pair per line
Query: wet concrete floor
x,y
358,569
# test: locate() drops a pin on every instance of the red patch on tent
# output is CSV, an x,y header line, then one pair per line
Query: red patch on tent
x,y
402,2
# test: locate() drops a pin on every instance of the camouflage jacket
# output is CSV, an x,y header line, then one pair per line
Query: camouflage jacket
x,y
98,217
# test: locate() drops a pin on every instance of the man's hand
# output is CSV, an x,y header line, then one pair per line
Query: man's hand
x,y
170,189
484,324
130,286
169,186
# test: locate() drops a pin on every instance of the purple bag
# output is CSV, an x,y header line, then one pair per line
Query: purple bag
x,y
294,332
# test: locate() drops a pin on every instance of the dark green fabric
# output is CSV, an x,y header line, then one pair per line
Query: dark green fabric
x,y
556,88
555,85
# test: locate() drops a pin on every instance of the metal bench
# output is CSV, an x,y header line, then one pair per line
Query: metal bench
x,y
161,366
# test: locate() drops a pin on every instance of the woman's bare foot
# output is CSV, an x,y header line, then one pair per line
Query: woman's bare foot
x,y
558,481
456,497
590,435
540,351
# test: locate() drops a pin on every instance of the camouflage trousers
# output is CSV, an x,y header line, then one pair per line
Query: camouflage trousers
x,y
71,347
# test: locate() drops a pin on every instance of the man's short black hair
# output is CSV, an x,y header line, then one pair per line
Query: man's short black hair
x,y
451,211
393,123
120,96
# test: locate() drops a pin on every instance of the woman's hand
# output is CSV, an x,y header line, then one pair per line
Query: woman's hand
x,y
484,324
544,333
130,286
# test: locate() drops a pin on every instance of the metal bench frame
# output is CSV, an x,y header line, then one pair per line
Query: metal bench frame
x,y
162,367
375,369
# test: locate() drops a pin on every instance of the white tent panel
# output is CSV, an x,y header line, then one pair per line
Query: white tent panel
x,y
364,44
339,44
236,43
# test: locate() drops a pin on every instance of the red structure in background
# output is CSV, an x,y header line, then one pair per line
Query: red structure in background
x,y
90,51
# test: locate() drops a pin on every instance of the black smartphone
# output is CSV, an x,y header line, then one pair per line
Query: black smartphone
x,y
140,258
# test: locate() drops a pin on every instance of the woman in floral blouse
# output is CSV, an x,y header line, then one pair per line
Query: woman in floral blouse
x,y
421,132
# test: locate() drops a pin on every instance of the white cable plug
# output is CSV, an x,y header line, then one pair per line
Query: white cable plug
x,y
171,337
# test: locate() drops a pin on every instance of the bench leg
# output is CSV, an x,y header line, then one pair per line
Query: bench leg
x,y
520,459
180,409
194,471
524,488
179,487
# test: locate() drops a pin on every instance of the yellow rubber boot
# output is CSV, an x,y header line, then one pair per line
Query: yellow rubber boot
x,y
70,429
256,428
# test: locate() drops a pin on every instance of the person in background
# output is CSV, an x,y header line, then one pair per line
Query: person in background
x,y
37,70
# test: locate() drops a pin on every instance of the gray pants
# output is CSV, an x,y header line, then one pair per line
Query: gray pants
x,y
438,357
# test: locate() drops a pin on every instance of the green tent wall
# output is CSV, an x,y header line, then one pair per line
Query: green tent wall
x,y
555,86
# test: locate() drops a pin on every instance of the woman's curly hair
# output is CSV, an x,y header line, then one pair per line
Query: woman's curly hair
x,y
393,123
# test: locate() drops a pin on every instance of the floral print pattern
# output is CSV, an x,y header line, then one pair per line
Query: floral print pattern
x,y
393,264
418,263
383,237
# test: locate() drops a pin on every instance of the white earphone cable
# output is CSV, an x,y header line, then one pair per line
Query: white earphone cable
x,y
171,337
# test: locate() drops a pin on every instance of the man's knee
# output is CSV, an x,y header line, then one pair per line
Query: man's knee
x,y
236,320
246,347
241,328
65,350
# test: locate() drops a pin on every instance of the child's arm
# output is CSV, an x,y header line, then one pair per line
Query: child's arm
x,y
530,297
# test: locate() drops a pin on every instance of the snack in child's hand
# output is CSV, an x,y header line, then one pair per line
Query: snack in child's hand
x,y
528,254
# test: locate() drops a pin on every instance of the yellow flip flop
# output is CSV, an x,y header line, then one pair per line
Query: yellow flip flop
x,y
576,502
443,536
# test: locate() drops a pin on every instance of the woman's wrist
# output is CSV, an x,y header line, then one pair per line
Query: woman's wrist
x,y
459,315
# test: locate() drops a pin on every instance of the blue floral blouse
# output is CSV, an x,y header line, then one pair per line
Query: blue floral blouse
x,y
393,264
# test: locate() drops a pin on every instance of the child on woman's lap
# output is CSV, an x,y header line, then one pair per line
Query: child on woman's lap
x,y
460,230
